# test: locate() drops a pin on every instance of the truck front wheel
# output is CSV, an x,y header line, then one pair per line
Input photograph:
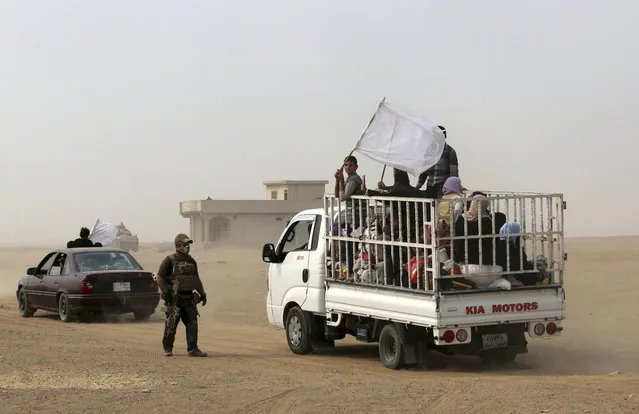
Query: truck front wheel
x,y
391,352
297,331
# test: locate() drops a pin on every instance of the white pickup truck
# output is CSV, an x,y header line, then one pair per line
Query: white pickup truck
x,y
450,302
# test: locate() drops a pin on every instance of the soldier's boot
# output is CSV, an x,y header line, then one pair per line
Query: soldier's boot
x,y
168,352
197,353
191,339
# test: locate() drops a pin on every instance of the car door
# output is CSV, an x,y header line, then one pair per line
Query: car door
x,y
36,291
51,282
289,275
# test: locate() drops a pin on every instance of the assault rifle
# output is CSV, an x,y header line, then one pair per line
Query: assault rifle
x,y
174,314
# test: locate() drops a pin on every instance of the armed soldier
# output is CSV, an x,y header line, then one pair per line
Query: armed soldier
x,y
177,278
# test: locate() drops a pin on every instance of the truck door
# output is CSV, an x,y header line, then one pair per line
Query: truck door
x,y
289,275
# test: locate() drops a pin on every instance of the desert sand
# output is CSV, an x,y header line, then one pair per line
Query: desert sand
x,y
117,365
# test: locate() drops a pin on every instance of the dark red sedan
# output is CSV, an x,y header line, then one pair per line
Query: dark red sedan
x,y
92,280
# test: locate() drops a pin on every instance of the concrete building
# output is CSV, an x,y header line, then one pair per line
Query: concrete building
x,y
251,222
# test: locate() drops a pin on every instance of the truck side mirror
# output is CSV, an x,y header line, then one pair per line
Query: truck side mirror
x,y
268,253
32,271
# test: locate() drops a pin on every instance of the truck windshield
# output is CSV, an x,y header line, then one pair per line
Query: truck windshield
x,y
90,262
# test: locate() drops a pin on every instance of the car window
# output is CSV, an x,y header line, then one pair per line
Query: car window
x,y
58,264
44,266
67,267
98,261
316,230
297,236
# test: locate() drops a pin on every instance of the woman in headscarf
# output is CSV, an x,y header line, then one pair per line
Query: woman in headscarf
x,y
512,253
449,210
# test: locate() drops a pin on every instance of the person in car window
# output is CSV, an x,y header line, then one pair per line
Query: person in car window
x,y
181,268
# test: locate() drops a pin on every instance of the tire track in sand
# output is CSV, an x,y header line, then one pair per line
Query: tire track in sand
x,y
496,397
282,402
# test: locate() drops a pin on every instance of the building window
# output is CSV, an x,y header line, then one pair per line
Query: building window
x,y
274,195
285,194
218,229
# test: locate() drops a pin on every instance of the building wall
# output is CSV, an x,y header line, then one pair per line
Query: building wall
x,y
296,191
251,222
198,207
306,191
251,230
279,189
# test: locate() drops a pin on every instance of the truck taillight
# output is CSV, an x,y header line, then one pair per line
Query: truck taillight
x,y
539,329
462,335
86,287
551,328
449,336
154,286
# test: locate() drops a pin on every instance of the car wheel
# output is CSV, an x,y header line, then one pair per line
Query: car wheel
x,y
297,332
143,315
26,311
64,309
391,351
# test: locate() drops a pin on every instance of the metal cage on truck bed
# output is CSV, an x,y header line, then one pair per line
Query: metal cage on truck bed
x,y
452,244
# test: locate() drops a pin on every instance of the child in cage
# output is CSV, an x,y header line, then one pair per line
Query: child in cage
x,y
543,277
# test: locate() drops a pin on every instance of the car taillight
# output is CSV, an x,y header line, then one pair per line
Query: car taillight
x,y
551,328
154,286
539,329
462,335
449,336
86,287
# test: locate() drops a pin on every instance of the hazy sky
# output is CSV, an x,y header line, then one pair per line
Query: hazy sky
x,y
120,109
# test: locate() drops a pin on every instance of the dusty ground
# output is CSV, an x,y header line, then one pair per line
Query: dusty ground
x,y
117,365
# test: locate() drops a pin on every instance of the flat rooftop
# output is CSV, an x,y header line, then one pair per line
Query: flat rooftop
x,y
285,182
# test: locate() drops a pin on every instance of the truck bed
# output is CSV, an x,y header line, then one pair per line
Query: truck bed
x,y
443,309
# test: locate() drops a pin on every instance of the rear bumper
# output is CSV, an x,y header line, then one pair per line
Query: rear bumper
x,y
113,303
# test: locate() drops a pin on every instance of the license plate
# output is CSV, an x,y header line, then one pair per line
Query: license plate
x,y
492,341
121,286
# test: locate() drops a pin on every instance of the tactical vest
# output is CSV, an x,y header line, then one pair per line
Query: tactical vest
x,y
184,274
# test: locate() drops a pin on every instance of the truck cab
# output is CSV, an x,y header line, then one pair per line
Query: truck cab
x,y
296,268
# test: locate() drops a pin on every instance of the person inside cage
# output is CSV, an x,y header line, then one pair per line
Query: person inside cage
x,y
450,208
411,216
511,254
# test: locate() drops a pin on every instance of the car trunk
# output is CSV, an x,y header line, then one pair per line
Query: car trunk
x,y
122,282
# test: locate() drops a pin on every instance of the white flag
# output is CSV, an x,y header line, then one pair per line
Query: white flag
x,y
400,140
103,233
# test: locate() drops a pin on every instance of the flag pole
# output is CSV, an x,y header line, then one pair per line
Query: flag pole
x,y
392,136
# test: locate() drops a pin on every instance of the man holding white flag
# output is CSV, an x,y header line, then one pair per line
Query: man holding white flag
x,y
400,140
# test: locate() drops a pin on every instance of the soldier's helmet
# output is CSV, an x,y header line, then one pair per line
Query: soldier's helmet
x,y
182,240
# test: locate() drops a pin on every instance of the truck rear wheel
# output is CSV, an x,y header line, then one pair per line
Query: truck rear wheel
x,y
297,331
391,352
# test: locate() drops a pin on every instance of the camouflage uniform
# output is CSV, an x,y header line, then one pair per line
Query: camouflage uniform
x,y
181,266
